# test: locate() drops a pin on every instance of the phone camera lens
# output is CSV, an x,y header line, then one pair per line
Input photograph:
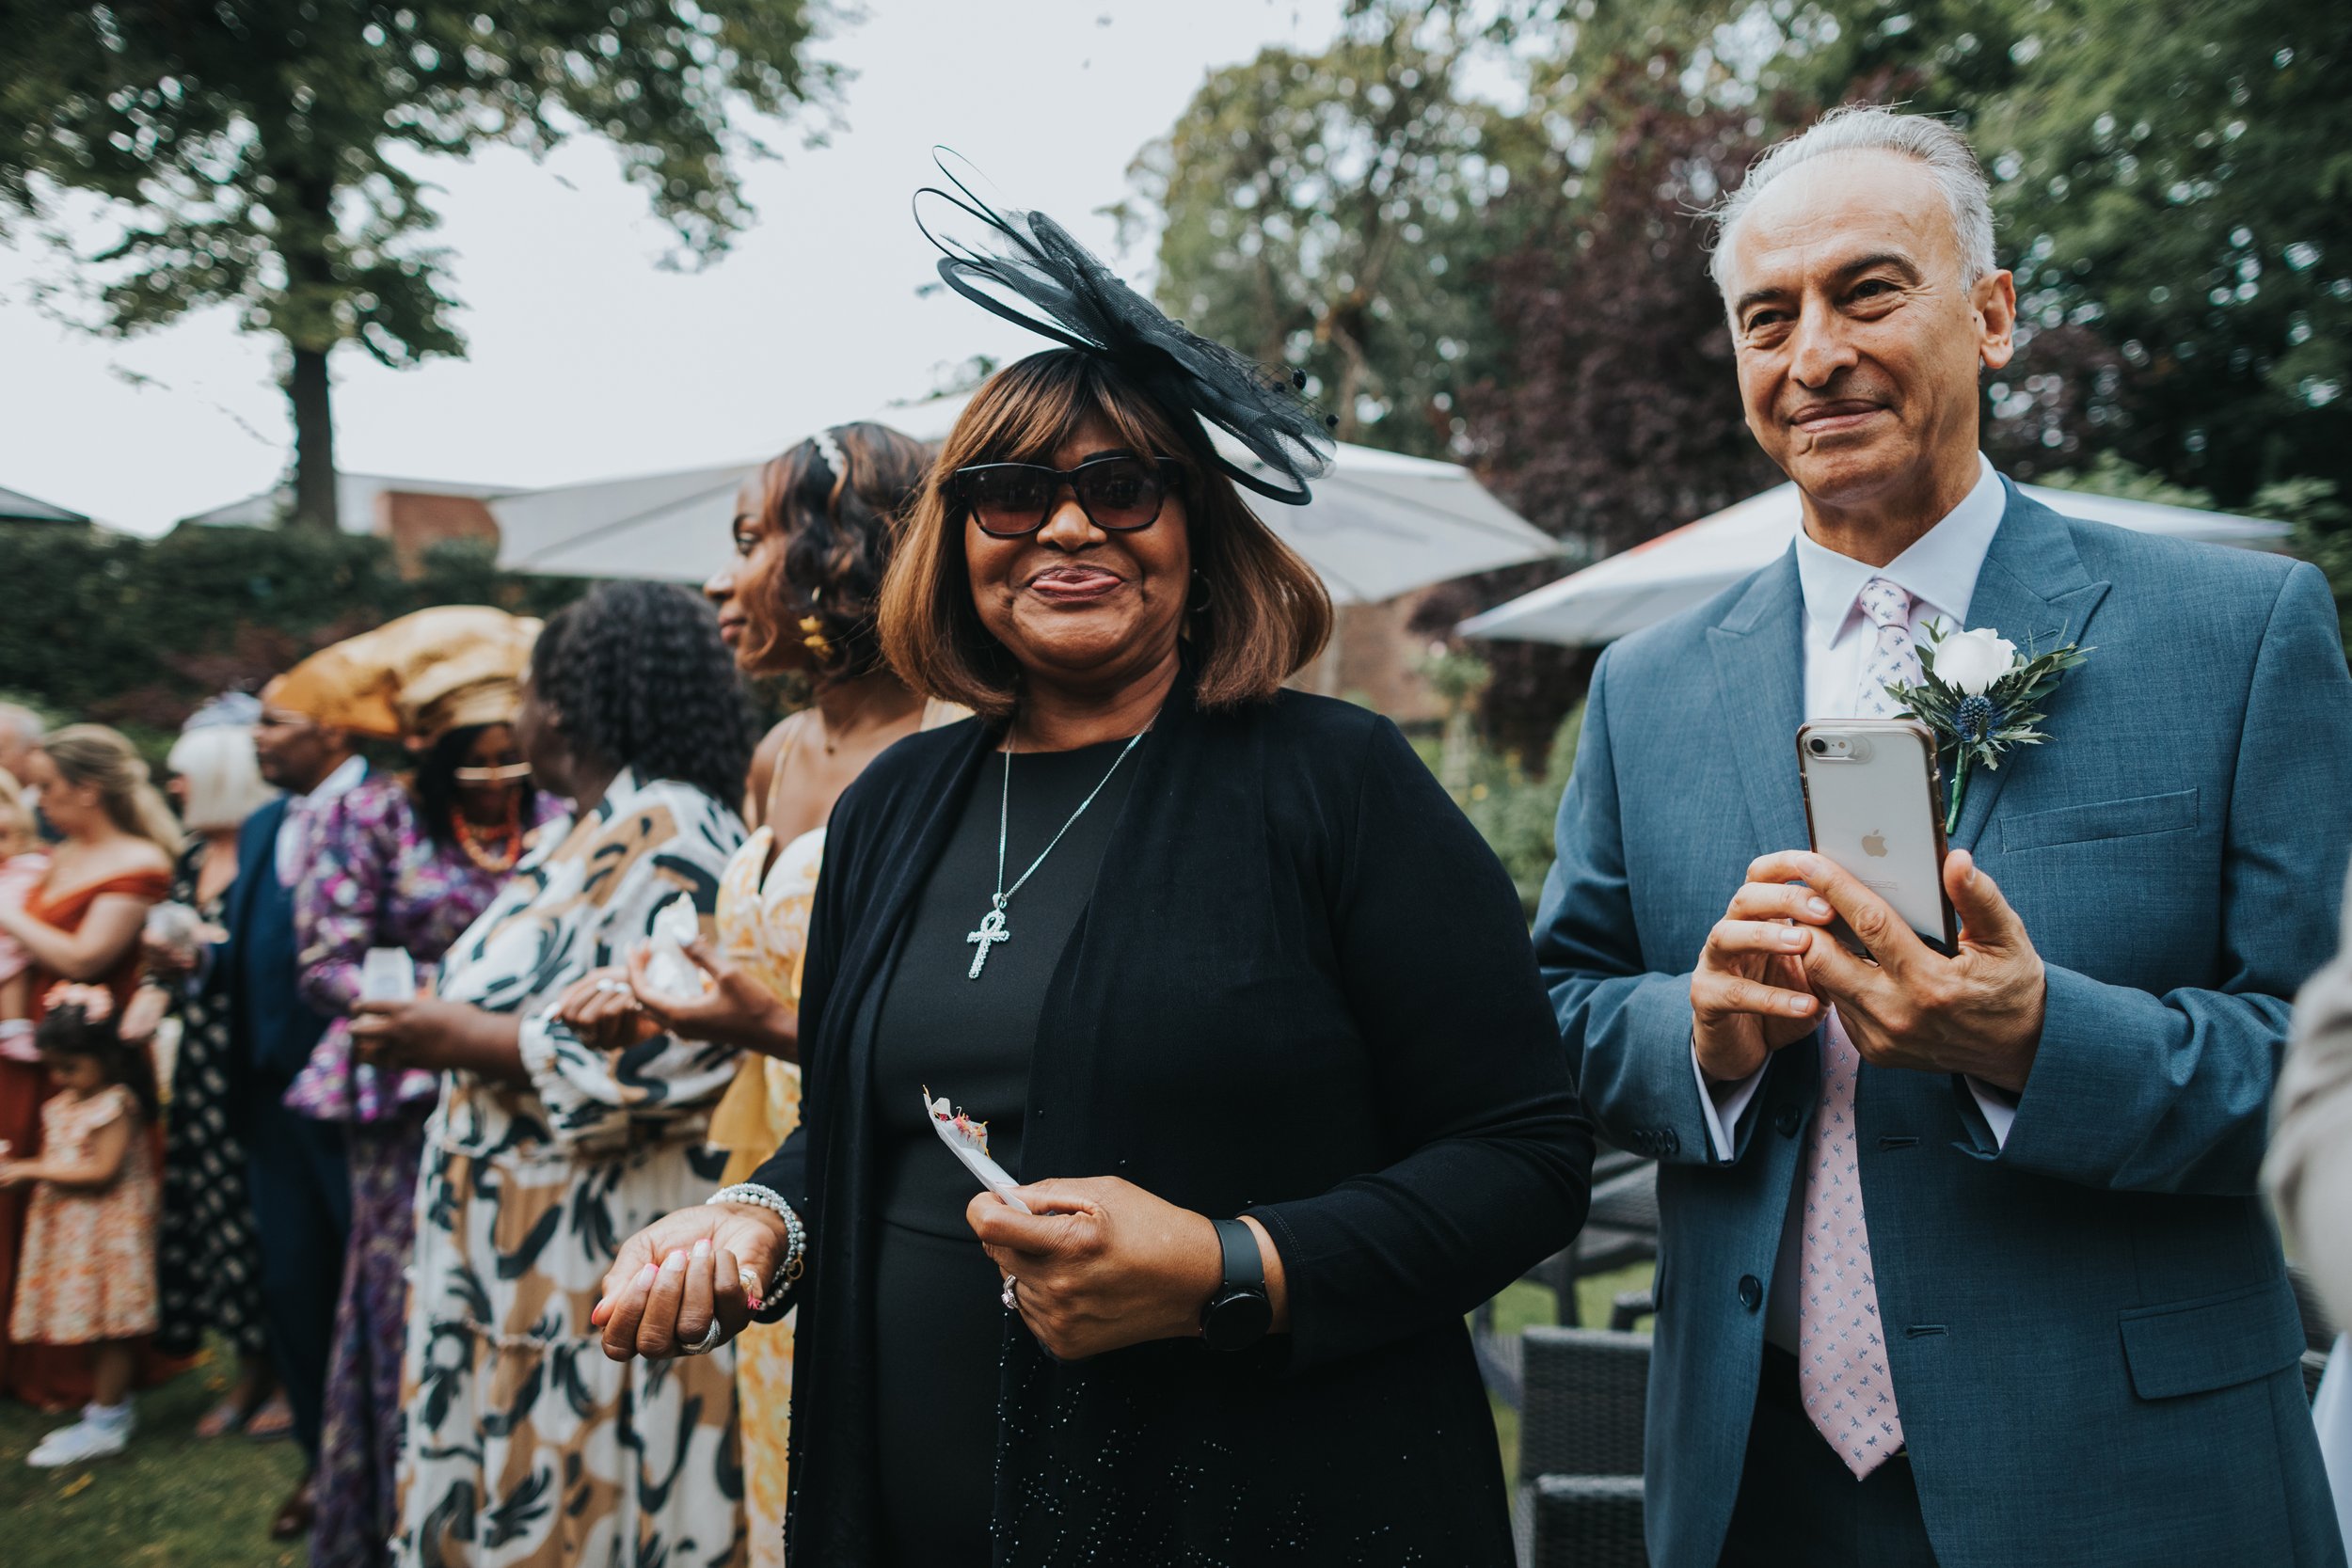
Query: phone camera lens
x,y
1821,747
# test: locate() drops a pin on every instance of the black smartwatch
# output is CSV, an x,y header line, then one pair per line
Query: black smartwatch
x,y
1239,1314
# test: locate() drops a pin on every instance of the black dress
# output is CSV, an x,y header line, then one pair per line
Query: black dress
x,y
208,1255
1301,988
939,1321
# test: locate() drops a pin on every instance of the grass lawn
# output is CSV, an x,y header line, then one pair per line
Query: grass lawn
x,y
176,1502
172,1501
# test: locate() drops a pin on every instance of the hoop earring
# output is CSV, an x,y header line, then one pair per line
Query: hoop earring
x,y
1206,597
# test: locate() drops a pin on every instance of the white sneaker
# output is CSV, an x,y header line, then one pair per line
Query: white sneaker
x,y
80,1443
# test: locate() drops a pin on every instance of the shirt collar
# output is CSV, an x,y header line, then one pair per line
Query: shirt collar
x,y
345,779
1939,569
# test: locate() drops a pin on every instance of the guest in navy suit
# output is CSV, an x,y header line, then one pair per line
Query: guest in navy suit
x,y
300,1188
1965,1259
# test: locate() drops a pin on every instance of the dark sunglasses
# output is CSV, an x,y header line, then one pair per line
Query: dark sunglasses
x,y
1118,494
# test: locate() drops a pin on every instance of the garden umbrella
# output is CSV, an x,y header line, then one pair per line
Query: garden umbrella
x,y
1677,570
1380,523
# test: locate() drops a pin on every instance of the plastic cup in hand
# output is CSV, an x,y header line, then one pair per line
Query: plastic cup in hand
x,y
388,975
174,928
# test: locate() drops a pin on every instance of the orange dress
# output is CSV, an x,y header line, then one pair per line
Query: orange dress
x,y
56,1377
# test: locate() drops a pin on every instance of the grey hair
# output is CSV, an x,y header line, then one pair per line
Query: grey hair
x,y
21,722
1874,128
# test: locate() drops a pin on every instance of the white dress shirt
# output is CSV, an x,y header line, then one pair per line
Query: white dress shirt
x,y
1939,571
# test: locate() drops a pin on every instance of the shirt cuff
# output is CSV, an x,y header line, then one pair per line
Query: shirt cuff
x,y
1723,1104
2000,1109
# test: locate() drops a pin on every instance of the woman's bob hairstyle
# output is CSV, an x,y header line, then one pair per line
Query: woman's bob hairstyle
x,y
1258,615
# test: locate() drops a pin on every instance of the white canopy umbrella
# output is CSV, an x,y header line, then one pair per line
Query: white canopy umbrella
x,y
1679,569
674,527
1380,524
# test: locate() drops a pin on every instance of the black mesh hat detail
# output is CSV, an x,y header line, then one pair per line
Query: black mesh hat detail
x,y
1026,268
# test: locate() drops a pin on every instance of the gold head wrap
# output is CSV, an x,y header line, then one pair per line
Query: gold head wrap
x,y
416,678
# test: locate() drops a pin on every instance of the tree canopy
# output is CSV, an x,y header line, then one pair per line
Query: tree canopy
x,y
271,155
1477,227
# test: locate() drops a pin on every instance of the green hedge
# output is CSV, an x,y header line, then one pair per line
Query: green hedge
x,y
136,633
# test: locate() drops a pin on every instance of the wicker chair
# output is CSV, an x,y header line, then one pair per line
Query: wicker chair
x,y
1620,1228
2319,1327
1585,1391
1585,1522
1580,1427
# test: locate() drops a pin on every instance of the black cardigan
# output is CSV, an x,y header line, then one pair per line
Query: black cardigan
x,y
1302,989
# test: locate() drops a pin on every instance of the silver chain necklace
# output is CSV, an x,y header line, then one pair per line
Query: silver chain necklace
x,y
993,930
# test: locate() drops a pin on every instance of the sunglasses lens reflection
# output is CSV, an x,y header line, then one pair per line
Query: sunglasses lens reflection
x,y
1008,499
1123,494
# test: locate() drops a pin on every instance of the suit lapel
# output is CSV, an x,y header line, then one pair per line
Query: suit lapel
x,y
257,843
2034,590
1759,688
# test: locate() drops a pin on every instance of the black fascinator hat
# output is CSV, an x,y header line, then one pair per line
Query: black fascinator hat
x,y
1025,267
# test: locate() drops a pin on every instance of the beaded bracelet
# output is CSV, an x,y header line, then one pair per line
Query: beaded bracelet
x,y
795,1234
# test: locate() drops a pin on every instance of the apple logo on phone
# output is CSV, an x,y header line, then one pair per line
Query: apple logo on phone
x,y
1874,844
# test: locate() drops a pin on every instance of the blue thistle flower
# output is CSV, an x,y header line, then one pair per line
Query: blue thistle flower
x,y
1974,718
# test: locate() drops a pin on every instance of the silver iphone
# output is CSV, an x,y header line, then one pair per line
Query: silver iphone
x,y
1872,802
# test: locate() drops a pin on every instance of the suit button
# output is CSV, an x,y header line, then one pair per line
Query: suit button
x,y
1672,1141
1751,1291
1786,1120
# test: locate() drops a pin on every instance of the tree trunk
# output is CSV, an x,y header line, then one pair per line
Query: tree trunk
x,y
306,390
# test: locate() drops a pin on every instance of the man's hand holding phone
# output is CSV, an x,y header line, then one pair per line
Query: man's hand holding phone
x,y
1977,1013
1751,994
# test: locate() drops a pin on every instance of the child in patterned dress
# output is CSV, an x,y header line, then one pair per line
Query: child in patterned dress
x,y
87,1274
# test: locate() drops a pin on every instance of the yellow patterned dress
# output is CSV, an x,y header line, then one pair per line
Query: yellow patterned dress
x,y
763,929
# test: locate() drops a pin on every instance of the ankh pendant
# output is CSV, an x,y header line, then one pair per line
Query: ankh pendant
x,y
991,931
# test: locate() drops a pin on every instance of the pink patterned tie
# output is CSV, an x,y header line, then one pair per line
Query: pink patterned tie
x,y
1841,1361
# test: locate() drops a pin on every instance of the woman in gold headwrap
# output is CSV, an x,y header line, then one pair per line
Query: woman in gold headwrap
x,y
401,862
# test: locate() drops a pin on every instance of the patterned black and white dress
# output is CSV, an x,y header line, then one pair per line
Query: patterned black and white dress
x,y
208,1260
523,1446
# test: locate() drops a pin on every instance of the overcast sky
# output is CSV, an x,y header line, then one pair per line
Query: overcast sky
x,y
589,360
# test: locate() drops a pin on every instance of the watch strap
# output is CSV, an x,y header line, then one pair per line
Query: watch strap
x,y
1245,1266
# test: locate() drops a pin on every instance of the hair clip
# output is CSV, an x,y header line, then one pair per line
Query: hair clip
x,y
830,450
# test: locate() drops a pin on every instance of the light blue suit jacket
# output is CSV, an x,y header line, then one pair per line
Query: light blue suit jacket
x,y
2092,1341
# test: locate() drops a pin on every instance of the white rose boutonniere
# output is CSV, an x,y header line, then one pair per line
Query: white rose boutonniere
x,y
1979,695
1971,662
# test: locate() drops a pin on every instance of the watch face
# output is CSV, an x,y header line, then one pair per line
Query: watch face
x,y
1237,1318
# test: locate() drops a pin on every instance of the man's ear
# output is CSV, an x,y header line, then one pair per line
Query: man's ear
x,y
1995,306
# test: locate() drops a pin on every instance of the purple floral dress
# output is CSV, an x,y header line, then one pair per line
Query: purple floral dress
x,y
373,878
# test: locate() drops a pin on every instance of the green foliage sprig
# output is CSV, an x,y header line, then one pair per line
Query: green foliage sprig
x,y
1976,728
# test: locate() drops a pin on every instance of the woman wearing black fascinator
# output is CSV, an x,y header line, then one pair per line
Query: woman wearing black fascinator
x,y
1212,968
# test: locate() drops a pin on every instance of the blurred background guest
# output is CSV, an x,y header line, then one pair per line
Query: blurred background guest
x,y
813,535
2309,1171
82,923
23,861
89,1275
2310,1165
548,1146
20,732
208,1262
296,1174
400,862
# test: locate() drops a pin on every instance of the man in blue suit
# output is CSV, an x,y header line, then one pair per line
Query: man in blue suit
x,y
300,1186
1964,1259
